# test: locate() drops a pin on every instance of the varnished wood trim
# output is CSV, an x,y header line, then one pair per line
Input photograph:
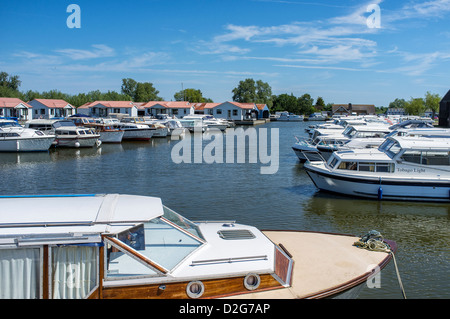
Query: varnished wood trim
x,y
45,273
213,288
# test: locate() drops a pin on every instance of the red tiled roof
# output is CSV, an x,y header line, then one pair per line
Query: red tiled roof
x,y
110,104
202,106
260,106
53,103
170,105
248,106
11,102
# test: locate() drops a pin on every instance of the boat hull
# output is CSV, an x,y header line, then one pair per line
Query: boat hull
x,y
76,142
408,189
111,136
40,144
137,134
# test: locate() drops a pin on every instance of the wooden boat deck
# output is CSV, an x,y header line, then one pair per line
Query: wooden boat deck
x,y
324,264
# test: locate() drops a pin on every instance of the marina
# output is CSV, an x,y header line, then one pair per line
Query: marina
x,y
287,200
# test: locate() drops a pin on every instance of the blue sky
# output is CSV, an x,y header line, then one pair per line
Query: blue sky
x,y
324,48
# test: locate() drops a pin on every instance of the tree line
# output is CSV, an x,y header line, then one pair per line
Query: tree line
x,y
247,91
417,106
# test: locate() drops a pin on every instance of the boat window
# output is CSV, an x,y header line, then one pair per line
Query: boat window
x,y
20,273
182,222
411,156
74,271
367,167
165,241
391,149
385,167
348,165
333,161
427,157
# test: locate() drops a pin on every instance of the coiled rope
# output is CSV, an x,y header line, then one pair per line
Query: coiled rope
x,y
374,241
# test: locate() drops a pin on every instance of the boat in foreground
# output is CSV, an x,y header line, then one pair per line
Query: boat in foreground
x,y
127,246
413,168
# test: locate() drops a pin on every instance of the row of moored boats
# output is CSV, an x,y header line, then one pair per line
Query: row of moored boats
x,y
408,160
81,131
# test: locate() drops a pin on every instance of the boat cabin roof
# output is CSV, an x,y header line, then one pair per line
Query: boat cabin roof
x,y
72,218
423,142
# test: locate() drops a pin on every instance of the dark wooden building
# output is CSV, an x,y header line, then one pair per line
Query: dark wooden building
x,y
444,111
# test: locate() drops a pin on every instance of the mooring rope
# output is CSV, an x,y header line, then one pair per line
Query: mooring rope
x,y
374,241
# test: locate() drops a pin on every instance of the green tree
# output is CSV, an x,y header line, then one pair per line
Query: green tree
x,y
263,93
320,103
398,103
191,95
415,106
129,87
245,92
146,92
432,102
305,104
10,81
285,102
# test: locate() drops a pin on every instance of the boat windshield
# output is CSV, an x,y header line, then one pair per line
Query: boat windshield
x,y
9,124
165,241
390,147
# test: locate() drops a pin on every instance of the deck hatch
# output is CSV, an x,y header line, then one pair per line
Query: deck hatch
x,y
236,234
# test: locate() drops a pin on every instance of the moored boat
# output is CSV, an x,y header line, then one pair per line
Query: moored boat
x,y
67,134
16,138
126,246
414,168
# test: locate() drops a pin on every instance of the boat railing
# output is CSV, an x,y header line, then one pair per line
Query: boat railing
x,y
316,154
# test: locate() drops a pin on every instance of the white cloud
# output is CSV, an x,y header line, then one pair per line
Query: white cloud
x,y
98,51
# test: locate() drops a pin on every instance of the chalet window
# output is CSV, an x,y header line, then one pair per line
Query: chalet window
x,y
235,112
20,273
219,111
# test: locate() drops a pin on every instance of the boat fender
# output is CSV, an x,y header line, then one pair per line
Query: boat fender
x,y
77,144
380,193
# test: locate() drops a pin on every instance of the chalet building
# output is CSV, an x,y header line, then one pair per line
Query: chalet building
x,y
204,108
178,109
235,111
444,111
106,108
263,111
51,108
14,107
349,109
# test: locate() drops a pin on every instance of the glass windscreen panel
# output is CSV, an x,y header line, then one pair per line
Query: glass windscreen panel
x,y
159,241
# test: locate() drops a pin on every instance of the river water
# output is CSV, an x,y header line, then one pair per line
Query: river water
x,y
286,199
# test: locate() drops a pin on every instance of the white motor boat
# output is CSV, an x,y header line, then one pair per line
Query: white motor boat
x,y
16,138
208,120
288,117
70,135
135,129
311,150
402,168
125,246
67,134
326,141
108,133
317,117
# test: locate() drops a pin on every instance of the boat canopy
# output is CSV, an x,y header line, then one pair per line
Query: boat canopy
x,y
69,219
